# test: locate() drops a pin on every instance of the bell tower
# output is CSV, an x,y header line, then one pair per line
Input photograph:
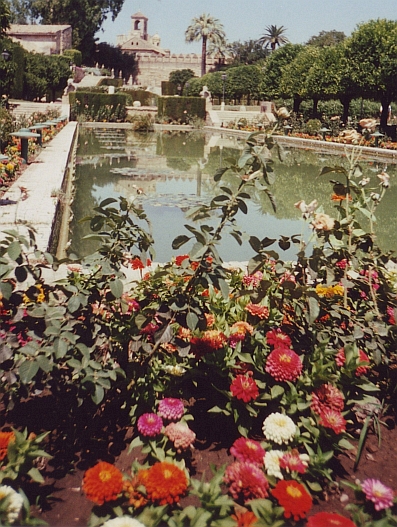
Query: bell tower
x,y
139,26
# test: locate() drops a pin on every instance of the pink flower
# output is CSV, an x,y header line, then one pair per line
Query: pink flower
x,y
327,396
244,449
392,317
244,388
284,364
378,493
171,409
278,339
246,481
294,462
180,434
238,332
150,424
253,279
330,418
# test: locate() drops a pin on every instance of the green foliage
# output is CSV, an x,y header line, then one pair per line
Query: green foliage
x,y
93,106
5,16
180,109
180,77
312,126
168,88
326,38
141,122
74,56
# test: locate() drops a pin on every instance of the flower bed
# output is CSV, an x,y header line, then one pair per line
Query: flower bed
x,y
279,360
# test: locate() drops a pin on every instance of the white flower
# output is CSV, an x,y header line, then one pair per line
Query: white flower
x,y
307,210
123,521
272,463
10,503
322,222
278,428
176,370
364,181
384,179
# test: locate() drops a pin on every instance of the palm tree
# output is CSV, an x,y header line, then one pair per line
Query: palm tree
x,y
274,36
205,28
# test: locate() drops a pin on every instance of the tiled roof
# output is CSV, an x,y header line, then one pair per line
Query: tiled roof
x,y
36,29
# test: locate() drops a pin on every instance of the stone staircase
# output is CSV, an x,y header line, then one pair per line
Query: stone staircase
x,y
27,108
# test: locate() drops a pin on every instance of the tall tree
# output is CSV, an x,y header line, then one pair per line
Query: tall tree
x,y
20,11
274,36
326,38
274,68
248,52
372,54
4,17
205,28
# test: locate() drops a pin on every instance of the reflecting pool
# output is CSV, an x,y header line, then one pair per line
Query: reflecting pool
x,y
167,173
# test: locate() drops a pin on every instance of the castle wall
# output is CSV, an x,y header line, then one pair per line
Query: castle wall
x,y
152,70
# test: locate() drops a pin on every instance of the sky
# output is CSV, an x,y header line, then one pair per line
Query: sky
x,y
246,19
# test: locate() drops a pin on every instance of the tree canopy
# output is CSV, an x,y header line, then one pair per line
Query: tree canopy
x,y
274,36
205,28
4,17
326,38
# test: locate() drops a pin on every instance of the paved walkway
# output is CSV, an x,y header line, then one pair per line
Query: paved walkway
x,y
43,180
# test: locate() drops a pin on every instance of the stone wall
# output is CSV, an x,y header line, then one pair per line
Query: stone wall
x,y
152,70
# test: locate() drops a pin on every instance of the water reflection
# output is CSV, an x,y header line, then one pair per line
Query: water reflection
x,y
168,173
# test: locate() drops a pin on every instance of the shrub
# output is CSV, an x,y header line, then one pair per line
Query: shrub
x,y
98,106
179,109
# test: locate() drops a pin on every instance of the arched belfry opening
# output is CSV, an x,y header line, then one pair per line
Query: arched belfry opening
x,y
139,25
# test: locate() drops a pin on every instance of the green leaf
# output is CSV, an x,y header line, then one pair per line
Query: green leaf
x,y
14,250
28,370
314,309
314,486
179,241
192,320
116,287
98,395
35,475
276,391
73,303
21,273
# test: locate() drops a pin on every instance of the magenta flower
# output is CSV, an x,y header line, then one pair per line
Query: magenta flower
x,y
375,491
250,450
150,425
171,409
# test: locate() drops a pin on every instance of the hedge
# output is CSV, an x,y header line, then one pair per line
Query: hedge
x,y
97,106
108,81
146,98
168,88
180,108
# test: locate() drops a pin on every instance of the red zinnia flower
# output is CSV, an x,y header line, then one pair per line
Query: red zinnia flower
x,y
278,339
327,396
333,419
179,259
294,462
136,263
392,318
362,357
261,312
103,482
5,438
164,482
329,519
294,498
244,388
211,341
284,364
250,450
246,481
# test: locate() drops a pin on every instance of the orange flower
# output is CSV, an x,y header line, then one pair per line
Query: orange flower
x,y
5,438
103,482
255,309
164,482
135,497
245,519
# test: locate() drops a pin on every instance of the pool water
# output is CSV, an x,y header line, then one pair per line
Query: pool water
x,y
168,173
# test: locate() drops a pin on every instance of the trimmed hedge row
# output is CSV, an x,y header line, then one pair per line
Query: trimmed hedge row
x,y
180,108
111,106
146,98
